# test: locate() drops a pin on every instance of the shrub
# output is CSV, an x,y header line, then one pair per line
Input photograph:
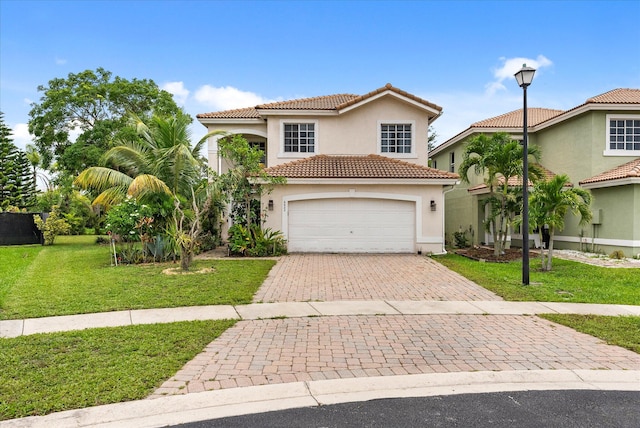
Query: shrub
x,y
617,254
52,226
255,241
460,239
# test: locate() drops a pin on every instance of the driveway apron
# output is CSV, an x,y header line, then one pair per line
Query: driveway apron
x,y
258,352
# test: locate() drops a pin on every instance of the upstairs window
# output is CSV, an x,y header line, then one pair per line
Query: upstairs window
x,y
396,138
623,135
299,137
452,162
262,146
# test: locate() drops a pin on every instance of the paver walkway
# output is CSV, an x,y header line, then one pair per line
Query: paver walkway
x,y
330,277
272,351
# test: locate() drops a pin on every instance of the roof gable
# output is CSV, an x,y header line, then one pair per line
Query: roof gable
x,y
368,167
338,103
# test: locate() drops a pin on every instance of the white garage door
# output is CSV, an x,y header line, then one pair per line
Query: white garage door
x,y
351,226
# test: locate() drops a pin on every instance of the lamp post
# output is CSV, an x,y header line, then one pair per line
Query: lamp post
x,y
524,77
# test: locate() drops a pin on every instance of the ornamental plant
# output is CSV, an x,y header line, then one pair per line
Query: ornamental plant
x,y
52,226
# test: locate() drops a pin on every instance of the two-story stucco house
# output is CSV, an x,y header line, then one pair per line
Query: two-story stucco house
x,y
597,144
356,170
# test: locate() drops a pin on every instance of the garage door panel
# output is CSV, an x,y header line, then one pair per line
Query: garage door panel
x,y
351,225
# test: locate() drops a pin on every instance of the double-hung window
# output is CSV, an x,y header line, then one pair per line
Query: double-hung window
x,y
623,135
396,138
299,137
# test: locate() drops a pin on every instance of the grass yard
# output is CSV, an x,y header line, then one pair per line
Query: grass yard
x,y
620,331
568,281
75,276
47,373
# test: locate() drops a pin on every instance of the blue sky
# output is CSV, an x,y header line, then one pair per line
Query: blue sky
x,y
216,55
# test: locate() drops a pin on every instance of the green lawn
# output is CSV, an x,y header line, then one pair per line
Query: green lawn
x,y
75,276
620,331
568,281
47,373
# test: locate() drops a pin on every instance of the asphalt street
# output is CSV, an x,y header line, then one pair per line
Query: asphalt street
x,y
528,409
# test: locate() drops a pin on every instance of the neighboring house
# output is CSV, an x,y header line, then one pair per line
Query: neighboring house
x,y
597,144
356,172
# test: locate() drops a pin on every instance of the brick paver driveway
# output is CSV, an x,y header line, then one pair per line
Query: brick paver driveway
x,y
264,351
330,277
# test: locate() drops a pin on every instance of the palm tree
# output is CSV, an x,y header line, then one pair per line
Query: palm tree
x,y
499,158
161,161
549,203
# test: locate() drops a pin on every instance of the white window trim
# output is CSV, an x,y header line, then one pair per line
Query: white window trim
x,y
607,150
414,138
298,155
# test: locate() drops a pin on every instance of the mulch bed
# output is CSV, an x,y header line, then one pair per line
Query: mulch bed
x,y
485,254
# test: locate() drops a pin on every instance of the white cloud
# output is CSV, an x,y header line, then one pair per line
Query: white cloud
x,y
227,97
60,61
21,136
510,66
179,92
28,101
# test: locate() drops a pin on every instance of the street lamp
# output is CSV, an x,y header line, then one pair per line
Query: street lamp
x,y
524,77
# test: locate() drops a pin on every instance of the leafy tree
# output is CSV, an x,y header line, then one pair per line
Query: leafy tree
x,y
549,203
498,158
246,181
96,105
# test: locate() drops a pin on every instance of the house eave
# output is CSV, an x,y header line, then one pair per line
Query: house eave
x,y
611,183
296,112
375,181
229,121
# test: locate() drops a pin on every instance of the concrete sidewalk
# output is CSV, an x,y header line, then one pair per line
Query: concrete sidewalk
x,y
255,311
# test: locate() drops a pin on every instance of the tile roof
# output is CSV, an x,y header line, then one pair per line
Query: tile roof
x,y
390,87
617,96
352,166
240,113
628,170
515,118
517,181
325,102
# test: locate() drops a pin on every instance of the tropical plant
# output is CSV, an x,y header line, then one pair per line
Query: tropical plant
x,y
246,180
52,226
498,158
549,203
254,241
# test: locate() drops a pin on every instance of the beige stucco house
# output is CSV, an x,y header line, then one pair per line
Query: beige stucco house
x,y
356,170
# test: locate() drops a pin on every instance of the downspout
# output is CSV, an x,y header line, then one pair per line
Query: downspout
x,y
444,192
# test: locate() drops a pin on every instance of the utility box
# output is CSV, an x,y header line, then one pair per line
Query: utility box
x,y
597,216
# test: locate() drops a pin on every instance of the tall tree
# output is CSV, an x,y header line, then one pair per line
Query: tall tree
x,y
8,154
95,105
161,160
549,204
498,158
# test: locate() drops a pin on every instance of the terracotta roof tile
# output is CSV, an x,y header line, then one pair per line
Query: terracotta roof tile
x,y
517,181
347,166
515,118
326,102
617,96
240,113
628,170
389,87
